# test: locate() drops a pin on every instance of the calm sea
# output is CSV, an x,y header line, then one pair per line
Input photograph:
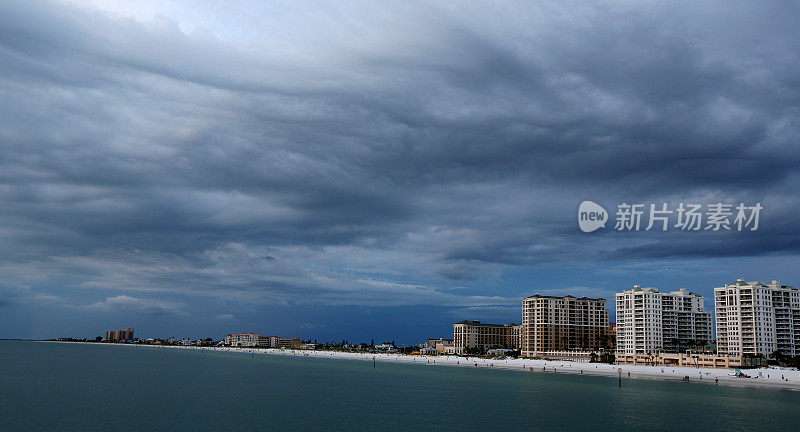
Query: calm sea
x,y
77,387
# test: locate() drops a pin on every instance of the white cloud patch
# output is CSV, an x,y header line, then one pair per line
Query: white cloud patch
x,y
124,303
308,326
495,314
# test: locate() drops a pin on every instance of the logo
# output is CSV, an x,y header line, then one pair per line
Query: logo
x,y
661,217
591,216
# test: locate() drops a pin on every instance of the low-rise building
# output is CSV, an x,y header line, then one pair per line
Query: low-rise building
x,y
247,340
257,340
499,352
439,344
431,343
452,350
682,359
573,356
443,346
385,347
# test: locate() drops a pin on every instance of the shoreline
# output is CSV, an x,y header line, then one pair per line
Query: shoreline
x,y
770,377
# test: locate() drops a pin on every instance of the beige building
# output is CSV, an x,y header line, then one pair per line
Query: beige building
x,y
754,318
444,347
282,342
649,321
434,343
119,335
441,345
475,334
573,356
552,324
680,359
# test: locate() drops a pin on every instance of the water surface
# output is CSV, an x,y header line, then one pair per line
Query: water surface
x,y
87,387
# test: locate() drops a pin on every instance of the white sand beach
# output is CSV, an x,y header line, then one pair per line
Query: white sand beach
x,y
771,377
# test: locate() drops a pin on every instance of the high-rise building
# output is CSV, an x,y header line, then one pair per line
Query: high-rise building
x,y
562,324
475,334
754,318
119,335
650,322
612,335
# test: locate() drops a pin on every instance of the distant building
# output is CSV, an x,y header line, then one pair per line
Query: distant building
x,y
682,359
256,340
428,351
499,352
431,343
573,356
119,335
755,318
386,347
650,322
612,336
444,346
450,350
552,324
282,342
475,334
247,340
441,345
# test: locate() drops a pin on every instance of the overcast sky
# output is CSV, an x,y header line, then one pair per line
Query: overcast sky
x,y
379,169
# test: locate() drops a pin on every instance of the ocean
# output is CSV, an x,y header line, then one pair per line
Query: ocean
x,y
93,387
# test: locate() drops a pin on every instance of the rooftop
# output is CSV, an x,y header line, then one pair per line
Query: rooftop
x,y
478,323
567,297
775,283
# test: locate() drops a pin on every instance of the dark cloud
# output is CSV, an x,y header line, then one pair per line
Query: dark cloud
x,y
401,156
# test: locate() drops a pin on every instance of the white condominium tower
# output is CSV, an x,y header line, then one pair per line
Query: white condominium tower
x,y
756,318
649,321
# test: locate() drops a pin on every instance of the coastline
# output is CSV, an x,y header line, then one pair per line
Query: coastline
x,y
771,377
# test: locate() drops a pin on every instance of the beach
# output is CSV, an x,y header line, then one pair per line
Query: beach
x,y
771,377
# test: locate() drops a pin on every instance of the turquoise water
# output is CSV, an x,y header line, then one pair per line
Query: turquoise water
x,y
77,387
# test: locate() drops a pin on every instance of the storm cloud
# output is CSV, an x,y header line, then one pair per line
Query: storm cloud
x,y
199,156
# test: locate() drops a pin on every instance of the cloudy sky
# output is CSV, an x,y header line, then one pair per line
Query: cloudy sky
x,y
379,169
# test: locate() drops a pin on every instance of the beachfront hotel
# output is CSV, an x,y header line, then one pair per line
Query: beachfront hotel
x,y
757,319
557,324
247,340
483,336
650,322
119,335
256,340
